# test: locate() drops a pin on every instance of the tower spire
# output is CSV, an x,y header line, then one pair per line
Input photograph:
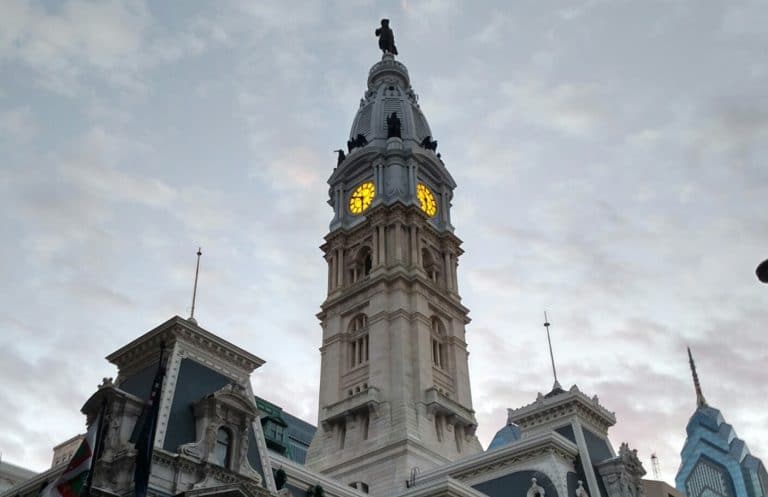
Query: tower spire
x,y
700,400
194,289
551,355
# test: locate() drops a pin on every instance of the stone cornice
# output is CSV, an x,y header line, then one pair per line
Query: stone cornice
x,y
438,403
395,212
544,410
302,477
444,487
545,444
393,276
366,400
32,486
107,392
145,349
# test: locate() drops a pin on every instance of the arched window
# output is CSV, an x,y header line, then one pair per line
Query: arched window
x,y
430,265
438,344
358,340
223,446
361,265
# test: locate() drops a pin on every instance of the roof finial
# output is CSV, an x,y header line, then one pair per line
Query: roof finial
x,y
700,400
194,289
551,355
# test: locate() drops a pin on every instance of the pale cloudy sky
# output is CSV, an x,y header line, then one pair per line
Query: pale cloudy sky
x,y
610,157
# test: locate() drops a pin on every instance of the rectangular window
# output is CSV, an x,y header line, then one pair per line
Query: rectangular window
x,y
274,431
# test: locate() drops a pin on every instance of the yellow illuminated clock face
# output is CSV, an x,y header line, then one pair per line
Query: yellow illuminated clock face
x,y
426,200
362,197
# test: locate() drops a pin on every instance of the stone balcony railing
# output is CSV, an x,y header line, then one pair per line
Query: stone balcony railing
x,y
366,400
438,403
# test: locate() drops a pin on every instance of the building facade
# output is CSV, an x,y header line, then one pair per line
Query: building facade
x,y
714,461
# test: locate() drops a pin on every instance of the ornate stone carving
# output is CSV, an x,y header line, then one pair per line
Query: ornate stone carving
x,y
622,474
535,490
192,449
580,490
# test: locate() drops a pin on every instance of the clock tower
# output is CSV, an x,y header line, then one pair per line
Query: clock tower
x,y
394,381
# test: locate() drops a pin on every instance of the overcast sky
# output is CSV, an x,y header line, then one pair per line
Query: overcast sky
x,y
611,166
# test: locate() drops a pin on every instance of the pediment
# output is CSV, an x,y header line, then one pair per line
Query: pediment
x,y
232,396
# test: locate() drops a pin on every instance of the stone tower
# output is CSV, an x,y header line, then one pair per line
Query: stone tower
x,y
394,381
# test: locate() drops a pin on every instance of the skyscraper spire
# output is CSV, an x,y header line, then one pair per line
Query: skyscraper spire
x,y
700,400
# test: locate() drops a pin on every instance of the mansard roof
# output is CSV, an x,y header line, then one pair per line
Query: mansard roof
x,y
146,349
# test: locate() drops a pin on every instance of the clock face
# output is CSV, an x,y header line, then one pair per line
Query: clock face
x,y
362,197
426,200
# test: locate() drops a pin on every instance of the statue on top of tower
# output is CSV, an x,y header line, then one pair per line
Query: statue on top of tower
x,y
386,38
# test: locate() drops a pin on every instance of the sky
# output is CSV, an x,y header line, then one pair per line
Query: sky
x,y
610,158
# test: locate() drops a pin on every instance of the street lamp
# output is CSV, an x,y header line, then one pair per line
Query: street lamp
x,y
762,271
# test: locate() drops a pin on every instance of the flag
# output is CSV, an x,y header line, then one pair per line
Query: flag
x,y
72,482
146,440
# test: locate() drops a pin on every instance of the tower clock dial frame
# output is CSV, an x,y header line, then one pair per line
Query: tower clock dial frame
x,y
426,199
361,198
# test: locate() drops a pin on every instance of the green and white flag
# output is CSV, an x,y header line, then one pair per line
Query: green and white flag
x,y
72,481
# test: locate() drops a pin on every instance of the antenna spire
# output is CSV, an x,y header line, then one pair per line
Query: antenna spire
x,y
194,289
656,467
700,400
551,355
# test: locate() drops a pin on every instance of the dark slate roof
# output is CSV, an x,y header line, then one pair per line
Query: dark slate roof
x,y
516,483
298,429
298,433
506,435
194,382
555,391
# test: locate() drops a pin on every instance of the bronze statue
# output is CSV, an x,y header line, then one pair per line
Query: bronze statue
x,y
429,144
393,126
358,141
386,38
340,157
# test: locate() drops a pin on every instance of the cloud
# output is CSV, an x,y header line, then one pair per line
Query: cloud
x,y
61,42
294,170
92,168
18,124
571,108
77,43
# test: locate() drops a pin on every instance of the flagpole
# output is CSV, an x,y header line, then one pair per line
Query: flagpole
x,y
145,445
551,355
97,446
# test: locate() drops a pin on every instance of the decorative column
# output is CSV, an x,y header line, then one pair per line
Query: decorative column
x,y
382,244
414,260
398,242
448,271
375,245
340,267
